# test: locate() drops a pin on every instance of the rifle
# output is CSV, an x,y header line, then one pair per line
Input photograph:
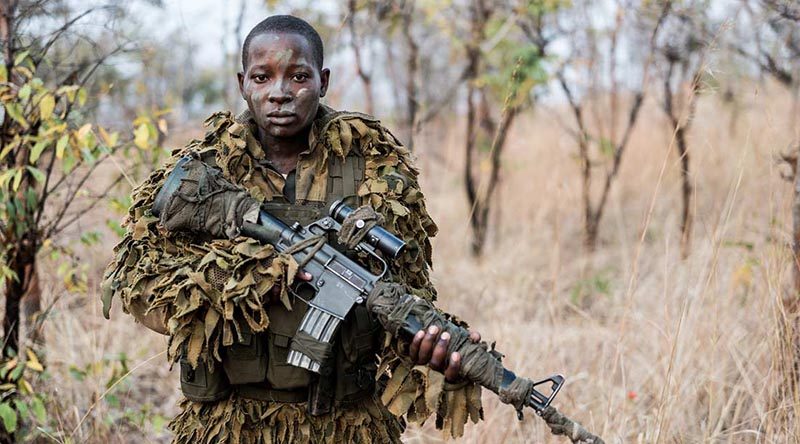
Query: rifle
x,y
340,283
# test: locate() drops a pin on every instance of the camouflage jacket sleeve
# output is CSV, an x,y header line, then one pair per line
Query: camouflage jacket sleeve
x,y
205,290
391,187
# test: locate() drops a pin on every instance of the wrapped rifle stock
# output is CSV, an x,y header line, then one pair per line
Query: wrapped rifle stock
x,y
196,198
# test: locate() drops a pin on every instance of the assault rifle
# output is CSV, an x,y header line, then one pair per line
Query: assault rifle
x,y
340,283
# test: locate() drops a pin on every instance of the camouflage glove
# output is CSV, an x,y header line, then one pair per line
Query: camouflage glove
x,y
204,202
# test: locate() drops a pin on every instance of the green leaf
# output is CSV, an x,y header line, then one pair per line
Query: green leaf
x,y
112,400
9,417
3,73
20,58
14,110
606,147
46,106
90,238
38,410
88,156
61,145
115,227
37,174
68,164
77,373
22,408
37,150
17,372
11,209
24,92
32,198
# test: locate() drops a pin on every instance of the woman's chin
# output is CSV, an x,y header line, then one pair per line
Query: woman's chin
x,y
282,131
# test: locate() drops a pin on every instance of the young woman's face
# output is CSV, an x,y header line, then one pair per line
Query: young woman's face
x,y
282,83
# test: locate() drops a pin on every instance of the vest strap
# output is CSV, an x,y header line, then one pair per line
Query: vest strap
x,y
254,391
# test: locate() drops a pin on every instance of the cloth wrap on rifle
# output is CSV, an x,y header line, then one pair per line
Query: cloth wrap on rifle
x,y
204,202
393,306
350,235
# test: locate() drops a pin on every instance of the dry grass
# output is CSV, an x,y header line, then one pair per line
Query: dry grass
x,y
655,348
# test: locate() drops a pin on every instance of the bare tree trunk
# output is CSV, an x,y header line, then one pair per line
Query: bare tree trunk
x,y
791,300
590,220
230,93
686,193
681,127
412,66
363,75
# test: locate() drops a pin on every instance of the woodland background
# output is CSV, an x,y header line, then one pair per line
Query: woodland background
x,y
614,182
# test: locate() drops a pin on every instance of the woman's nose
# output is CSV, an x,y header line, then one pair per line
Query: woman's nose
x,y
279,93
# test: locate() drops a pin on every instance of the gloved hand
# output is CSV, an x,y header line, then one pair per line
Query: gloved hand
x,y
205,202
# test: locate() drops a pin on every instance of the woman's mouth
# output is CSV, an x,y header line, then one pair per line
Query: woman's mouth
x,y
281,117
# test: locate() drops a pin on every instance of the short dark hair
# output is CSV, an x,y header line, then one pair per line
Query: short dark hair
x,y
285,24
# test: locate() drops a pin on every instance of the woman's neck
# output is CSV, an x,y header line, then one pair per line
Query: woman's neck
x,y
283,152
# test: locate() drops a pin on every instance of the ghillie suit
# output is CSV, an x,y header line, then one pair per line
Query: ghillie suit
x,y
231,338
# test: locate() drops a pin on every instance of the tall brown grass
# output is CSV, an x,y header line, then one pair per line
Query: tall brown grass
x,y
655,348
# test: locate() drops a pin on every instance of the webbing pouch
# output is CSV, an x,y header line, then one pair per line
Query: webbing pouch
x,y
245,361
202,384
283,324
356,362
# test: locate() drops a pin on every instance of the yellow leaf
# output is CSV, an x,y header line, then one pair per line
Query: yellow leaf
x,y
17,180
83,131
25,386
109,139
33,362
55,129
162,126
61,145
11,364
46,106
141,136
3,73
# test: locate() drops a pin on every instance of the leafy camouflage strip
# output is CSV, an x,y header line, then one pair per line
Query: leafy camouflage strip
x,y
239,420
207,290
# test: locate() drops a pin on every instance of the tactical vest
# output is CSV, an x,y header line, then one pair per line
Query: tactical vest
x,y
255,366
